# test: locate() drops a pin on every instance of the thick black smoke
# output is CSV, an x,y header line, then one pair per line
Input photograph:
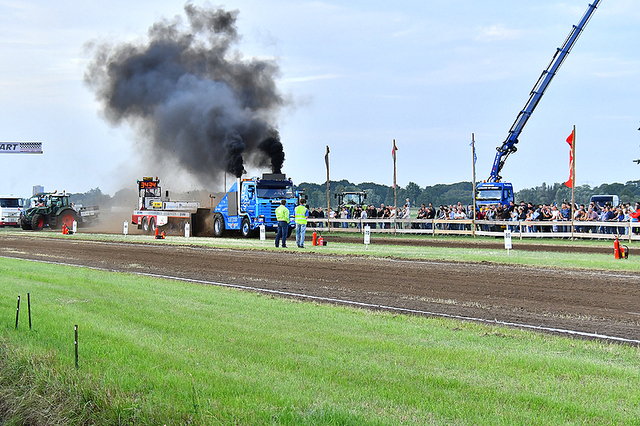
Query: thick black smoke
x,y
272,147
193,98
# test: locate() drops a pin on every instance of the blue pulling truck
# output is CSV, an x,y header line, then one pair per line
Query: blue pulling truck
x,y
253,202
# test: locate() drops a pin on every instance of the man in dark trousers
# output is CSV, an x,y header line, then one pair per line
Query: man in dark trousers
x,y
301,215
282,216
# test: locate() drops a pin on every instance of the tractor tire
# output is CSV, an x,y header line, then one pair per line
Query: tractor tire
x,y
25,224
152,225
145,225
37,222
218,225
66,217
246,230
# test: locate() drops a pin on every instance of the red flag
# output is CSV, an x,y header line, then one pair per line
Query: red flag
x,y
393,154
326,157
569,183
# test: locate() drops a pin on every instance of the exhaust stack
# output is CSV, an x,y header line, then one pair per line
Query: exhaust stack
x,y
238,195
274,176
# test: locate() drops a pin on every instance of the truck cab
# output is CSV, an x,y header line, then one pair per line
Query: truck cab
x,y
494,193
10,208
602,200
253,202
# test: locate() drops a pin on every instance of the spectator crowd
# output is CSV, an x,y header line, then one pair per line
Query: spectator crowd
x,y
530,217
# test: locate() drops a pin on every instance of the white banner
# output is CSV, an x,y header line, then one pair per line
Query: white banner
x,y
21,147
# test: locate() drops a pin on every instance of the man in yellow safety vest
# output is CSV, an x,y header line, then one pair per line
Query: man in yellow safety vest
x,y
282,216
302,213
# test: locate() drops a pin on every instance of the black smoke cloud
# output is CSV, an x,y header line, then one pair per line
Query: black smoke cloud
x,y
191,96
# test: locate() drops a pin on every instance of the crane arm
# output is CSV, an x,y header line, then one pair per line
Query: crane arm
x,y
509,145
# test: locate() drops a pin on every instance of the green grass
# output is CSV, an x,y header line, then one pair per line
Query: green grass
x,y
163,352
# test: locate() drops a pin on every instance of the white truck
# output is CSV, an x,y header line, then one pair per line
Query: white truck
x,y
10,208
601,200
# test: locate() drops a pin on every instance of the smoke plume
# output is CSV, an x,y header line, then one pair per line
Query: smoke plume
x,y
191,97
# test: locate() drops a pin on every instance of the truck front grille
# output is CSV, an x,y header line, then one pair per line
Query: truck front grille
x,y
272,213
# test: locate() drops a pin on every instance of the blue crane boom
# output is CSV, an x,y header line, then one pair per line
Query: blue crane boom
x,y
509,145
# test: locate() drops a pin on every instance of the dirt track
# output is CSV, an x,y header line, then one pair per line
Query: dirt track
x,y
498,243
605,303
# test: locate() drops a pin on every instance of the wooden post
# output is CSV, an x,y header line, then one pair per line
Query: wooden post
x,y
573,183
326,161
473,160
395,189
17,312
29,308
75,328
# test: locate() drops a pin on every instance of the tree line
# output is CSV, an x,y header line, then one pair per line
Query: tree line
x,y
447,194
440,194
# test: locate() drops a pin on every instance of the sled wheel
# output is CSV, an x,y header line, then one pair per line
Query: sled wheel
x,y
218,226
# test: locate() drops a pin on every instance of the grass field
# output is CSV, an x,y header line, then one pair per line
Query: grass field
x,y
163,352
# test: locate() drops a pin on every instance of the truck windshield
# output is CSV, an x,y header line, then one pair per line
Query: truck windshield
x,y
352,199
489,194
286,192
601,200
10,202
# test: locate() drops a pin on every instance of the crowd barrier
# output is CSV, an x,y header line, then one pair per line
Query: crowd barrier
x,y
519,229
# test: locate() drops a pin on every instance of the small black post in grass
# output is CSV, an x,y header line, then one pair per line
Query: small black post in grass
x,y
29,308
17,312
75,327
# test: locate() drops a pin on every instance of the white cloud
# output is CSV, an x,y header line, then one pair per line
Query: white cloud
x,y
307,78
497,32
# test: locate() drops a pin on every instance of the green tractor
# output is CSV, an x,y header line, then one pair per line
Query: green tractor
x,y
351,200
53,210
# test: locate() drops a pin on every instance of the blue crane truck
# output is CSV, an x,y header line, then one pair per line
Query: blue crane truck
x,y
251,203
493,190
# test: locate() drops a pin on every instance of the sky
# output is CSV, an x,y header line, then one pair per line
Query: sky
x,y
355,75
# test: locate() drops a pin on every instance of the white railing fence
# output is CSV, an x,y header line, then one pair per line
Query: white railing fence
x,y
519,229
